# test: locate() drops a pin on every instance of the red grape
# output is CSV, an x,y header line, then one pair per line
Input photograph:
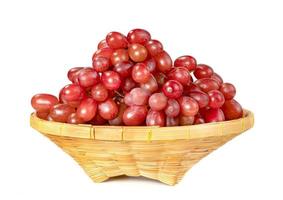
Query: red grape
x,y
43,102
134,115
199,120
216,99
99,92
172,89
189,106
73,73
203,71
207,84
102,44
88,77
232,110
42,115
173,108
172,121
151,85
201,97
72,94
74,119
119,119
181,75
191,88
128,99
155,118
137,52
123,68
163,61
105,52
128,84
140,36
116,40
111,80
100,64
139,96
150,64
61,112
186,120
98,120
214,115
140,73
87,109
118,56
186,61
154,47
108,109
228,90
157,101
218,78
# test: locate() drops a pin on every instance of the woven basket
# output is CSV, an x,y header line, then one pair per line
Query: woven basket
x,y
164,154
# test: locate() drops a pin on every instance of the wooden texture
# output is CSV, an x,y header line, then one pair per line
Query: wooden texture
x,y
161,153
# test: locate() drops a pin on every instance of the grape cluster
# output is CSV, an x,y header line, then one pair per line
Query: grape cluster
x,y
133,81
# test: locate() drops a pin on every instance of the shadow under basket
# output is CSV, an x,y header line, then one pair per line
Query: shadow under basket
x,y
161,153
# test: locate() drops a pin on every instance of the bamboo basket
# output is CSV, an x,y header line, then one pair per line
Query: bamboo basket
x,y
160,153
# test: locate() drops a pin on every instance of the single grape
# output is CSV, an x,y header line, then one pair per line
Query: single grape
x,y
172,121
201,97
157,101
61,112
42,115
155,118
214,115
99,92
207,84
139,96
124,69
134,115
140,36
100,64
72,94
180,74
111,80
228,90
137,52
186,120
154,47
150,64
216,99
188,62
116,40
203,71
73,73
43,102
199,120
189,106
108,109
88,77
173,108
172,89
163,61
217,77
105,52
87,109
119,55
102,44
232,110
160,78
74,119
140,73
150,86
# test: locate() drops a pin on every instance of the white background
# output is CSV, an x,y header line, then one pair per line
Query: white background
x,y
41,40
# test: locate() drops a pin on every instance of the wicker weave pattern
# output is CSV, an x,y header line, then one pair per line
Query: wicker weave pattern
x,y
163,158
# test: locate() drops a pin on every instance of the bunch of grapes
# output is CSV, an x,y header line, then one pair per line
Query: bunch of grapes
x,y
133,81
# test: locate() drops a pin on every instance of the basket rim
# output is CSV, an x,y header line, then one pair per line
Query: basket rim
x,y
143,133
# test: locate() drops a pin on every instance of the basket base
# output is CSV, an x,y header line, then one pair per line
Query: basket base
x,y
166,161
